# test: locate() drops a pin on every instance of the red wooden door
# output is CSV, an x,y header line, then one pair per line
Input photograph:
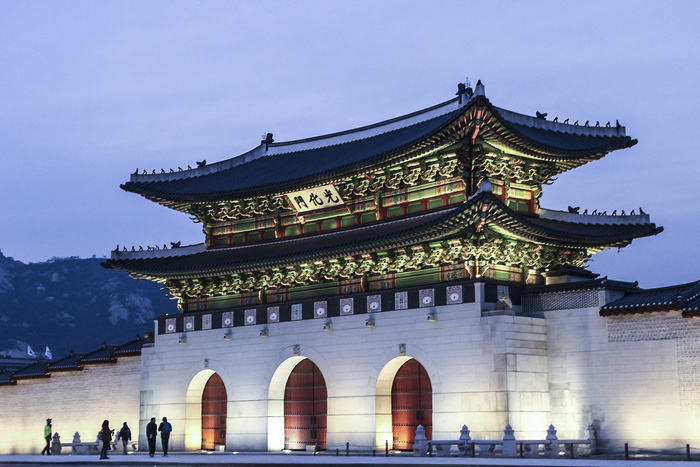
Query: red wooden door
x,y
214,413
305,407
411,404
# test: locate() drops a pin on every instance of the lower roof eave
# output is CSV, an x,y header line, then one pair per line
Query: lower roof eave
x,y
406,232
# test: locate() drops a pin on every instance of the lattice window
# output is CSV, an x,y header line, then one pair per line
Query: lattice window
x,y
296,312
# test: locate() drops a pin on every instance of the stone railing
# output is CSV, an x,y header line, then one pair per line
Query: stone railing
x,y
79,447
509,446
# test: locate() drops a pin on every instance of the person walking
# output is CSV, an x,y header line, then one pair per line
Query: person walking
x,y
47,437
151,432
106,439
165,429
125,435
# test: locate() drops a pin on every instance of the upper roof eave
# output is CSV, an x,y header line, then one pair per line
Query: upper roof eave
x,y
323,164
537,138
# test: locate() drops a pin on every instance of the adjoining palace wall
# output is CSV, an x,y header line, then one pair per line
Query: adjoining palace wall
x,y
74,400
636,378
486,371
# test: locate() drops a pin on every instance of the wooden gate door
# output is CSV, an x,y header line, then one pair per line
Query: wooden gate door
x,y
214,413
305,407
411,404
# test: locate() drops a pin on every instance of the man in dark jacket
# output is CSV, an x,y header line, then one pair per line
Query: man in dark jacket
x,y
151,432
165,429
125,435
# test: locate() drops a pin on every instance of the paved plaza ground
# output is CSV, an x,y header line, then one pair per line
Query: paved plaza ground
x,y
304,460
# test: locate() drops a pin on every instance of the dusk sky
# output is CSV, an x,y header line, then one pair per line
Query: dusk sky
x,y
89,91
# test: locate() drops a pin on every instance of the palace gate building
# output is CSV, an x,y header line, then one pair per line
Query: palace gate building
x,y
355,285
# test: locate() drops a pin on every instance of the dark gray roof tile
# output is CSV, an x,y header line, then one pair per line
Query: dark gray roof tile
x,y
675,297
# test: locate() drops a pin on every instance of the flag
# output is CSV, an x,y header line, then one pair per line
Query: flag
x,y
30,352
47,354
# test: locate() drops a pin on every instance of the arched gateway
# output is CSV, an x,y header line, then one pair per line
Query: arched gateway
x,y
411,404
305,407
214,413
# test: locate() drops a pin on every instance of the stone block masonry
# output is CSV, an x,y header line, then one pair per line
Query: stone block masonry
x,y
633,377
74,400
667,326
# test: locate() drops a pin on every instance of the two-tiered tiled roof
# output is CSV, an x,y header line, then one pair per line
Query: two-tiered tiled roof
x,y
496,135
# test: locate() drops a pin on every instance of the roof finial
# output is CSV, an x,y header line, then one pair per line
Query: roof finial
x,y
267,140
479,90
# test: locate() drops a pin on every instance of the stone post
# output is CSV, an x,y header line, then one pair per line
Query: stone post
x,y
552,449
591,441
420,444
509,442
76,441
464,436
56,445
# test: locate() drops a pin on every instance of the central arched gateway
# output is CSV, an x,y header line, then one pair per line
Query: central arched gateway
x,y
305,407
214,413
411,404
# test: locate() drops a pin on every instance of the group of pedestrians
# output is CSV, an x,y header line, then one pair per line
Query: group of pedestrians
x,y
165,429
106,434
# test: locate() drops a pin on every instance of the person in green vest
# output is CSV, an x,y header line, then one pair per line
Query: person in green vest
x,y
47,437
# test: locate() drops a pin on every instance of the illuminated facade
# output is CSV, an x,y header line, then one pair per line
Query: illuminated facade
x,y
355,285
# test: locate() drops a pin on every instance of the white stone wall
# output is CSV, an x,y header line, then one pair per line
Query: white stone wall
x,y
75,401
472,362
527,375
635,377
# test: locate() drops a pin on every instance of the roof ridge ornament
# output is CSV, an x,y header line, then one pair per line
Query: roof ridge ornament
x,y
267,140
462,89
479,90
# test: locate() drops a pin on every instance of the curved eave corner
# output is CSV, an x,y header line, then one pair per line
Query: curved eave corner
x,y
536,148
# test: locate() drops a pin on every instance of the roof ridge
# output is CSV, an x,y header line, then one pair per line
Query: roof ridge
x,y
265,150
374,125
541,123
667,287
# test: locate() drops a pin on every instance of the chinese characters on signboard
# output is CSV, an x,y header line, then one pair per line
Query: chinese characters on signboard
x,y
322,198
